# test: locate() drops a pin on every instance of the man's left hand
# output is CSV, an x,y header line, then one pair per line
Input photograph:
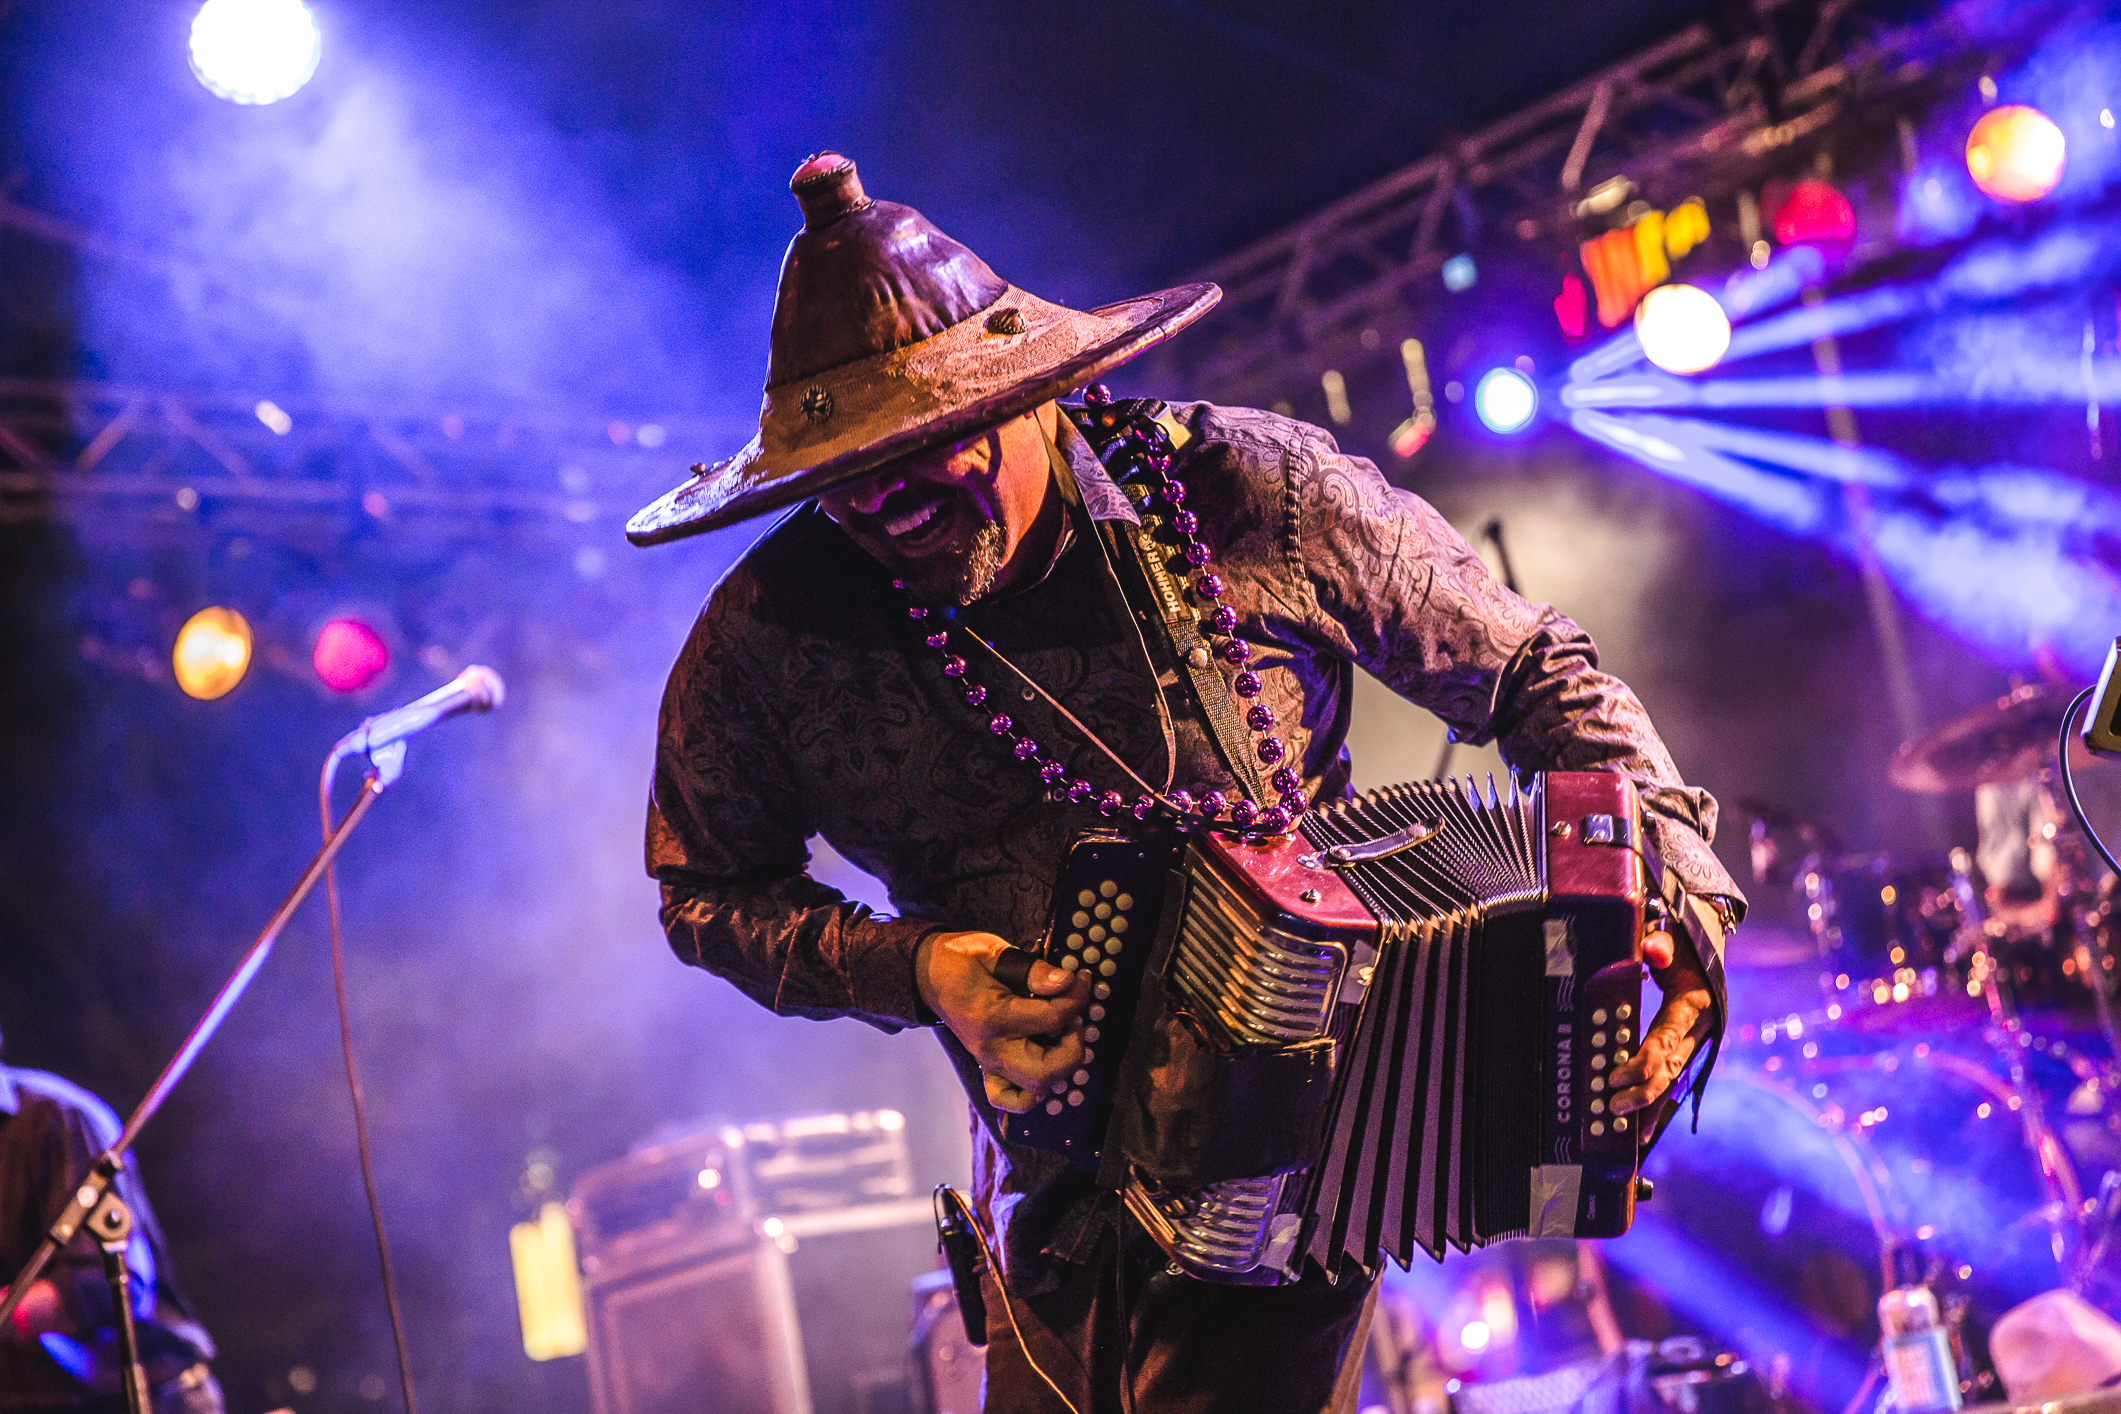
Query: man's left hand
x,y
1679,1026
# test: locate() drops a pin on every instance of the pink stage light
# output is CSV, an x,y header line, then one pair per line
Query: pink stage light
x,y
1814,213
349,655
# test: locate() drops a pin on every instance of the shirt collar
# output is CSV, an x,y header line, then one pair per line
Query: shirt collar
x,y
1101,494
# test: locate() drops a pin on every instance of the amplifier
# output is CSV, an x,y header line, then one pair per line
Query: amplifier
x,y
700,1296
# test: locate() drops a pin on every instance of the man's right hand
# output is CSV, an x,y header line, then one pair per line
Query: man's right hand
x,y
1022,1044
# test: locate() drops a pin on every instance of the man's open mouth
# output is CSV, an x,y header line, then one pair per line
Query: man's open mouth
x,y
922,526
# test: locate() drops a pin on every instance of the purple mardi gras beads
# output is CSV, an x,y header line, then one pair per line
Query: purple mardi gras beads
x,y
1153,455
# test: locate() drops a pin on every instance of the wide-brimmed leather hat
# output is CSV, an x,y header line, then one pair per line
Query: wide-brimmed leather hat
x,y
890,338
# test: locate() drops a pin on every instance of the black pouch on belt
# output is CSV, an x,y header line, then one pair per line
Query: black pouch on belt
x,y
1198,1113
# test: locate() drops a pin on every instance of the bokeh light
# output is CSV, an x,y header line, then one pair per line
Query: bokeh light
x,y
212,653
349,655
254,51
1814,213
2015,153
1683,329
1505,400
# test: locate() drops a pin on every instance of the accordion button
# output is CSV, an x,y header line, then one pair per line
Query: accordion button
x,y
1090,1034
1598,1038
1108,967
1620,1125
1090,956
1625,1011
1597,1128
1070,963
1054,1107
1097,1013
1102,991
1108,888
1112,946
1597,1017
1620,1057
1119,924
1102,911
1623,1036
1075,942
1086,898
1075,1097
1082,1077
1123,902
1080,920
1598,1062
1597,1107
1097,933
1597,1084
1089,1054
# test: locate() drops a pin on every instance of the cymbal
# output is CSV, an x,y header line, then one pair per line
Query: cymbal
x,y
2011,739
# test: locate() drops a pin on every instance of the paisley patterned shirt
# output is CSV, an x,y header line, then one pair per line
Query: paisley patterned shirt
x,y
806,703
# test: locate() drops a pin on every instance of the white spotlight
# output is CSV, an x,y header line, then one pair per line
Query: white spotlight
x,y
1683,329
1505,400
254,51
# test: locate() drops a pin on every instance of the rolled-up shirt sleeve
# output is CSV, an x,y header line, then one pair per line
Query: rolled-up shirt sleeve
x,y
1400,592
727,840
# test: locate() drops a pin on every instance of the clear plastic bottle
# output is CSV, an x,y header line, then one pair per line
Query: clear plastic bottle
x,y
1917,1350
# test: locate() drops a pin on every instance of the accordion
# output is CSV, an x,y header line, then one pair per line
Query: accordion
x,y
1390,1030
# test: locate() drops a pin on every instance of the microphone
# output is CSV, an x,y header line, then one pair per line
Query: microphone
x,y
476,689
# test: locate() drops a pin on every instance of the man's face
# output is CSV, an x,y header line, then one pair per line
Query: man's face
x,y
952,522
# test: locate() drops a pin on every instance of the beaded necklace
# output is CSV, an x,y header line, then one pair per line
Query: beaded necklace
x,y
1149,447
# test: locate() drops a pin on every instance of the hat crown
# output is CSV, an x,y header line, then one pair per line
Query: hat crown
x,y
864,277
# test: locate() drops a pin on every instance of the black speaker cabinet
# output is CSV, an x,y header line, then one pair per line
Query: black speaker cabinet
x,y
698,1304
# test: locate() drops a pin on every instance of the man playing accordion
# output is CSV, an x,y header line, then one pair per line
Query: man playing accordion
x,y
940,660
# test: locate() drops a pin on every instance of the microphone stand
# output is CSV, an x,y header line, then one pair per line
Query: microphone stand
x,y
96,1203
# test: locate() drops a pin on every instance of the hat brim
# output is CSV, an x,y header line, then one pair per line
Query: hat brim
x,y
726,492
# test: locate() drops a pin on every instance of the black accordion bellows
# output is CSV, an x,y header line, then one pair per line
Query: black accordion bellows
x,y
1392,1032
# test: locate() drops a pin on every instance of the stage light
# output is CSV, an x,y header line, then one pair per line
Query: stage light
x,y
2015,153
1505,400
212,653
1460,273
349,655
1815,213
254,51
1682,328
1475,1335
1572,307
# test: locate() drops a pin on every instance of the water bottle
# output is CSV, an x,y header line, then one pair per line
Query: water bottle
x,y
1917,1350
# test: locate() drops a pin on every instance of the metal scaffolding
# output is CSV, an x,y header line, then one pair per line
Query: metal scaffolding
x,y
168,456
1700,114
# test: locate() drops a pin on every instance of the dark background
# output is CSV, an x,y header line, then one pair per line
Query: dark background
x,y
479,205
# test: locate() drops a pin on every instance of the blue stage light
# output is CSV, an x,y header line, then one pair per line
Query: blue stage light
x,y
1505,400
254,51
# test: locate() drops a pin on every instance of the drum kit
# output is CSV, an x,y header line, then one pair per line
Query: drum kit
x,y
1921,1075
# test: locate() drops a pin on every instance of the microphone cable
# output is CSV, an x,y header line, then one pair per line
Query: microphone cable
x,y
360,1107
2069,782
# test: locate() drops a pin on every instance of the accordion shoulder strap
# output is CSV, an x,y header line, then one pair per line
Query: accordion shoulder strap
x,y
1104,427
